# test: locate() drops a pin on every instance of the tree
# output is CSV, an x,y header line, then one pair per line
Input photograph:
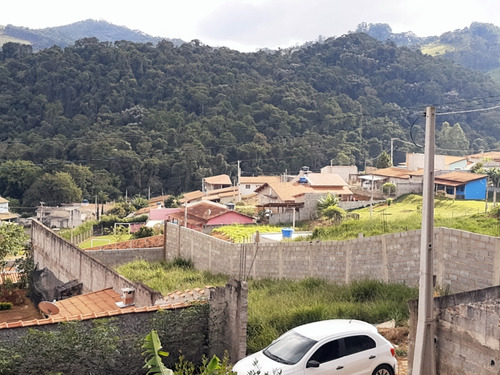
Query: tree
x,y
53,189
389,188
13,239
494,176
452,140
334,213
384,160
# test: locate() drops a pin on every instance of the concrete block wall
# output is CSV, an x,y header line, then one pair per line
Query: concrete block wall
x,y
467,332
467,261
68,262
114,258
463,261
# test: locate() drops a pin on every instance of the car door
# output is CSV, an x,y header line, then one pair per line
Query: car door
x,y
326,360
359,354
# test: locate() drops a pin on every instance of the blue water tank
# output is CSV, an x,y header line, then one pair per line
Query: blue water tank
x,y
287,232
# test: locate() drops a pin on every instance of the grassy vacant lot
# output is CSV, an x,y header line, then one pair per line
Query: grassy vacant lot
x,y
405,214
401,215
275,306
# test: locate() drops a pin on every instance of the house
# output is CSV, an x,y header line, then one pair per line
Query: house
x,y
215,182
348,173
158,201
462,185
205,216
297,199
406,181
415,161
488,159
322,183
158,216
223,195
248,185
193,196
69,215
5,215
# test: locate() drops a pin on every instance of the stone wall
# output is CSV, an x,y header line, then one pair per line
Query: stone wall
x,y
463,261
467,332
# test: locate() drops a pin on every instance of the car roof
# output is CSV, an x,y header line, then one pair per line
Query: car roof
x,y
325,328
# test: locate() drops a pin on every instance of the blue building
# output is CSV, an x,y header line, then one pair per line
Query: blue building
x,y
462,185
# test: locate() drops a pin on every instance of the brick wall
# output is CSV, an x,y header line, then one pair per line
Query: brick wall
x,y
467,331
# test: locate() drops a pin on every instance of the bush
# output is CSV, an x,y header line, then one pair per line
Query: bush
x,y
389,188
6,305
144,232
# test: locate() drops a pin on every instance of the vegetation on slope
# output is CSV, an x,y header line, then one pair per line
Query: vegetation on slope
x,y
405,214
105,118
275,306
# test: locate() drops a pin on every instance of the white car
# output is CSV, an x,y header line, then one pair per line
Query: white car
x,y
338,346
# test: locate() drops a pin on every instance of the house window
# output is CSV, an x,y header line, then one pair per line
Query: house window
x,y
247,186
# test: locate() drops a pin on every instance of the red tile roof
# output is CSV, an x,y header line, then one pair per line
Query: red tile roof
x,y
222,179
103,304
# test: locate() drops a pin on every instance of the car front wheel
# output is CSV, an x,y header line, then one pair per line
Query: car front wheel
x,y
383,370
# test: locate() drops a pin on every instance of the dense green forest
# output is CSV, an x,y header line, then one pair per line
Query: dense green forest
x,y
108,119
476,47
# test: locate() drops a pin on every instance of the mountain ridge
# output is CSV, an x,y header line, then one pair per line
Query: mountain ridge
x,y
66,35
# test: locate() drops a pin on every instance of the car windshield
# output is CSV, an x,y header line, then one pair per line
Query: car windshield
x,y
289,348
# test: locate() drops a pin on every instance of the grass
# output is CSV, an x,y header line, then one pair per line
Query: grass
x,y
436,49
275,306
169,277
242,233
405,214
104,240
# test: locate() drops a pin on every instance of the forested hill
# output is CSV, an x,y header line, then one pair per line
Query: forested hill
x,y
103,118
476,47
66,35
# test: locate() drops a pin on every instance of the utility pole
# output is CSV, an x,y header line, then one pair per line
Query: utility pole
x,y
239,177
392,150
423,359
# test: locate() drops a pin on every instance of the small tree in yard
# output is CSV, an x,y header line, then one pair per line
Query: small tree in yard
x,y
12,240
389,188
327,207
334,213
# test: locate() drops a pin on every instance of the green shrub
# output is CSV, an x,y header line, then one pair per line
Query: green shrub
x,y
144,232
186,264
6,305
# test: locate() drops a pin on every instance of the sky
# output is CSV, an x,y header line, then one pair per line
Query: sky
x,y
247,25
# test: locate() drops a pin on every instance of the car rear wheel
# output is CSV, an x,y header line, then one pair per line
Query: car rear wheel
x,y
383,370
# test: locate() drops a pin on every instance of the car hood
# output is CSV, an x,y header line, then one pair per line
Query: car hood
x,y
259,361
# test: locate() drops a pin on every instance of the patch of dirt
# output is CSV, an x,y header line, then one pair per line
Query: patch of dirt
x,y
399,338
25,310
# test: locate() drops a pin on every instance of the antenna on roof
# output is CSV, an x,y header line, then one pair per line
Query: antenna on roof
x,y
48,308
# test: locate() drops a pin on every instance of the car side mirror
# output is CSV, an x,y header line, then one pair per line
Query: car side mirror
x,y
312,363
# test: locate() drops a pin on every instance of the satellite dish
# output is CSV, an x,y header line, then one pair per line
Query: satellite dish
x,y
48,308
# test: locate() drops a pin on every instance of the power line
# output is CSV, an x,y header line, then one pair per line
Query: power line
x,y
468,111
